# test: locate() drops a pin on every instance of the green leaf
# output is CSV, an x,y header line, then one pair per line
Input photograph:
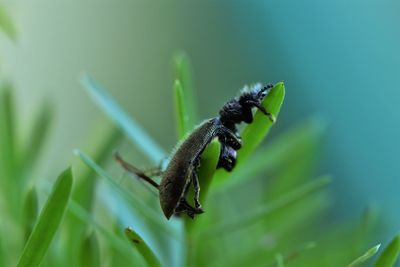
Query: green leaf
x,y
254,133
101,142
36,139
7,25
367,255
142,247
112,239
184,74
90,251
279,260
208,165
130,127
181,111
263,212
389,256
7,133
150,223
30,212
48,222
362,235
298,251
138,204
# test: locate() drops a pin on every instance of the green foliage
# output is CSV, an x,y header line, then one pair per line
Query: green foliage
x,y
275,210
363,258
181,111
18,199
102,141
6,24
390,253
142,247
30,212
90,251
184,75
254,133
48,222
130,127
268,212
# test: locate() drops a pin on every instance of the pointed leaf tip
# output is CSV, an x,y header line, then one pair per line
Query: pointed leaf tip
x,y
142,247
390,254
363,258
48,222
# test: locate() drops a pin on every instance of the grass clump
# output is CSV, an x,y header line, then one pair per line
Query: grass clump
x,y
268,212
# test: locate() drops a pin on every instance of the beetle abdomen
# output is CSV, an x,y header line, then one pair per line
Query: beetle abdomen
x,y
181,165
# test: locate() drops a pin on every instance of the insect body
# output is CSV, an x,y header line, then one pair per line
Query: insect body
x,y
239,110
182,169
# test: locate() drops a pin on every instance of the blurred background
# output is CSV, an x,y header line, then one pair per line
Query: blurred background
x,y
339,60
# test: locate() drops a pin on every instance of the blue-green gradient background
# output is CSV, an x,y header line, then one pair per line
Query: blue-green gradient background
x,y
340,60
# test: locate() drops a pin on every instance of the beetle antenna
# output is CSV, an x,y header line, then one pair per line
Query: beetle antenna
x,y
132,169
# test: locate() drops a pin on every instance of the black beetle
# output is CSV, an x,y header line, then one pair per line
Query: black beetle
x,y
181,171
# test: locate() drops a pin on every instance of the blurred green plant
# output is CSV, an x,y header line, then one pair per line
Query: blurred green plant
x,y
48,222
249,220
21,227
6,24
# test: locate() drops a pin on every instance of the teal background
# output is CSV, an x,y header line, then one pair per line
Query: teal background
x,y
340,60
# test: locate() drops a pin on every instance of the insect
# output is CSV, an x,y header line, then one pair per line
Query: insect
x,y
182,168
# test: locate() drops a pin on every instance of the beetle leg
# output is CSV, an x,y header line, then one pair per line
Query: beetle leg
x,y
132,169
196,186
227,136
185,207
156,171
227,158
263,110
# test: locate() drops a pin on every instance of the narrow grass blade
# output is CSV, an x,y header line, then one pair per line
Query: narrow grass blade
x,y
184,74
182,116
147,221
279,260
298,251
36,140
142,247
138,204
363,231
48,222
112,239
6,24
208,165
7,132
366,256
90,251
390,254
102,142
254,133
30,212
262,212
130,127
